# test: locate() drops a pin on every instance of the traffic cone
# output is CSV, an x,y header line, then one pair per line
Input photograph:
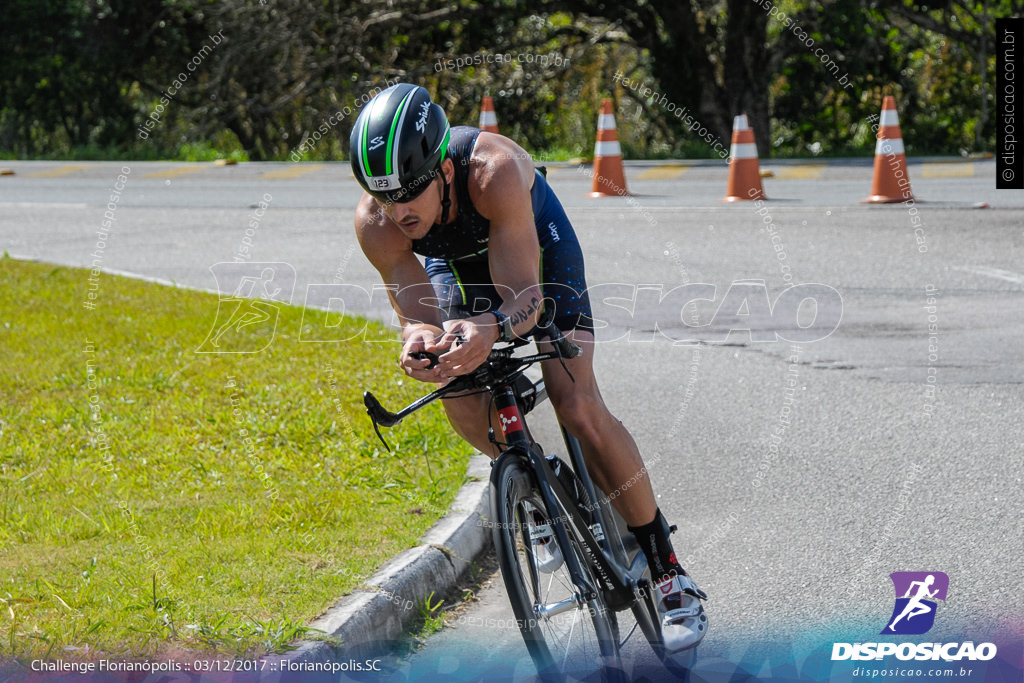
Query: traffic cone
x,y
891,183
488,120
609,177
744,171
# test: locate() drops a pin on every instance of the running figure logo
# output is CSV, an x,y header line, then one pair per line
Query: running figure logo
x,y
247,318
916,596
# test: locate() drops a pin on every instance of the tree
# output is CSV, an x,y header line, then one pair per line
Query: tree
x,y
70,63
968,26
704,59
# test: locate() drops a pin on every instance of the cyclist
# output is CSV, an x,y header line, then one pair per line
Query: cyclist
x,y
474,206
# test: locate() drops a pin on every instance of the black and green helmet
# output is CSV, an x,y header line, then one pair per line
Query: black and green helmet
x,y
398,143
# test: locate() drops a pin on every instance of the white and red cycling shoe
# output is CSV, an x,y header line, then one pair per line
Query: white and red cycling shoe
x,y
683,621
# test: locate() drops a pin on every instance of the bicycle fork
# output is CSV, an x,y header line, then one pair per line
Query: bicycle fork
x,y
514,430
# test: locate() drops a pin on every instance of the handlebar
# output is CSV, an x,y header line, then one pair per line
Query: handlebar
x,y
500,368
546,329
564,347
427,355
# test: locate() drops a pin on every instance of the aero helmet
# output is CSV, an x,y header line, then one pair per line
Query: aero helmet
x,y
398,143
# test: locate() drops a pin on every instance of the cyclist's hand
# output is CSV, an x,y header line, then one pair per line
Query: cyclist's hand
x,y
422,339
469,341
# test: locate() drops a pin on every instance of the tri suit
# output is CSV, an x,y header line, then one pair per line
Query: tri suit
x,y
457,256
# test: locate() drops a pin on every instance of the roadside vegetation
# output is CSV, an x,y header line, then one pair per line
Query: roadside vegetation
x,y
155,498
284,80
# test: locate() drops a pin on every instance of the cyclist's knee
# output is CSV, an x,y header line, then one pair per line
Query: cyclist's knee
x,y
466,412
583,415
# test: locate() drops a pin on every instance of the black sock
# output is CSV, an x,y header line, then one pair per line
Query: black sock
x,y
661,557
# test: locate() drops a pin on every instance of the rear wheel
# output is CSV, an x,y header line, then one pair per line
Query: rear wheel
x,y
645,617
563,631
643,620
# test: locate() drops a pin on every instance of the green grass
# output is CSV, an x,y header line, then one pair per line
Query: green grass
x,y
432,615
561,154
136,520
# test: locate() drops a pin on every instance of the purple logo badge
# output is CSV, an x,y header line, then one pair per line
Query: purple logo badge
x,y
916,596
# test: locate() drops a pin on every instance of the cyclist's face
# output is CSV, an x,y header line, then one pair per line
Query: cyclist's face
x,y
416,217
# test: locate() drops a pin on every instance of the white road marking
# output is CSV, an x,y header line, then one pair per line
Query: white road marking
x,y
46,205
993,272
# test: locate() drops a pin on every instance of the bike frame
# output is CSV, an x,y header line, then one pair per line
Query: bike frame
x,y
620,582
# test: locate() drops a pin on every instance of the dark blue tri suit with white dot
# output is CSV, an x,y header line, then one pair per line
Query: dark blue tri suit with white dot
x,y
457,252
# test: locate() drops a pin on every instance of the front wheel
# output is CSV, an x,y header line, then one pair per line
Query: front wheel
x,y
563,632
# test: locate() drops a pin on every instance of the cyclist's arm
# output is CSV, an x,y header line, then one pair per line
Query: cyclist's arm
x,y
411,294
500,185
514,251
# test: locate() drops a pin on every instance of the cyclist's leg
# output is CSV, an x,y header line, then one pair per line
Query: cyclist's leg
x,y
615,465
469,417
610,451
611,454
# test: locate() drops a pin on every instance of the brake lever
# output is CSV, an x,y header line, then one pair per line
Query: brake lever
x,y
380,436
573,350
433,357
382,417
379,415
563,347
426,355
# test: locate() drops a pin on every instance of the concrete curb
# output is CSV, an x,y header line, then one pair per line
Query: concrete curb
x,y
368,620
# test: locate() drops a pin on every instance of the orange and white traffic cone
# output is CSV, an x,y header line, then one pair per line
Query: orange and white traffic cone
x,y
891,183
488,119
744,170
609,176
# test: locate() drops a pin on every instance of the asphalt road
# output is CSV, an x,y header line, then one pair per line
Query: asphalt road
x,y
800,475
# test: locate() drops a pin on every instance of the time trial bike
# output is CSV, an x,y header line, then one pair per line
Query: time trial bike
x,y
569,564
